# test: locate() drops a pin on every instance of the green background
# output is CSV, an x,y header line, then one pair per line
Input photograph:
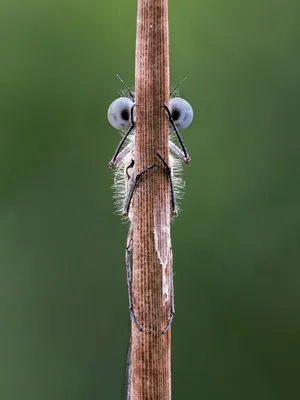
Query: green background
x,y
63,309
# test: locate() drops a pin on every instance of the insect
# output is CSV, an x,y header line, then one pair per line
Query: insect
x,y
121,115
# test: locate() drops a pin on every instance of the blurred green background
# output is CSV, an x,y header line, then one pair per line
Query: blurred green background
x,y
63,309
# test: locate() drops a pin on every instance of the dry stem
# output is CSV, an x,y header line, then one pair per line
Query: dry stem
x,y
151,376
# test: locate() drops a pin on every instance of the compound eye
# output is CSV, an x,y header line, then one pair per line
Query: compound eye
x,y
119,113
181,112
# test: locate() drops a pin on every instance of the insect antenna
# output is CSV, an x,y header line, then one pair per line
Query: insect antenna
x,y
176,86
129,91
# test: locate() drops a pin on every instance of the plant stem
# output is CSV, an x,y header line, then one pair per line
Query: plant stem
x,y
151,352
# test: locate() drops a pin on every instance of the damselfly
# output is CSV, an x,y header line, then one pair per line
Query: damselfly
x,y
121,115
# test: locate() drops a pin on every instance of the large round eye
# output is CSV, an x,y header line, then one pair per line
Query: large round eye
x,y
119,113
181,112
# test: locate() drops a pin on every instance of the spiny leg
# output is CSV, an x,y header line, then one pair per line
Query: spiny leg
x,y
176,150
113,163
172,309
133,187
120,157
169,172
129,248
186,158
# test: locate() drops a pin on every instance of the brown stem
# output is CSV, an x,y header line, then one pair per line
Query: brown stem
x,y
151,377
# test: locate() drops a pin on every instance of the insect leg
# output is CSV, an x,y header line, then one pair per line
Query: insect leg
x,y
176,150
120,157
172,309
133,187
169,172
186,158
113,162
